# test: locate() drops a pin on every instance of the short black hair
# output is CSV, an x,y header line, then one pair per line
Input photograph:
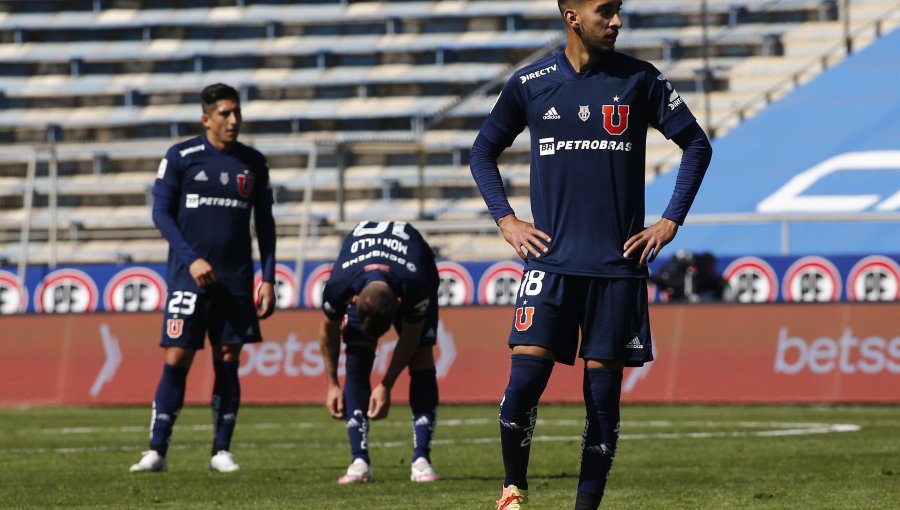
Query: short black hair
x,y
377,305
211,94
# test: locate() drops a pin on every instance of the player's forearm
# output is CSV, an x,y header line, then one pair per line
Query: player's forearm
x,y
330,345
265,239
403,352
483,164
164,219
694,162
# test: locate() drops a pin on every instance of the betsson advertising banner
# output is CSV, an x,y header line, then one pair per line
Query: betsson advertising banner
x,y
837,352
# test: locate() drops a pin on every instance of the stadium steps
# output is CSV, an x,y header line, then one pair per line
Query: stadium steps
x,y
129,140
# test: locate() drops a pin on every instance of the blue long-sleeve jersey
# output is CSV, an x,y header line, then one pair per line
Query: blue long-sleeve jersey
x,y
202,202
588,150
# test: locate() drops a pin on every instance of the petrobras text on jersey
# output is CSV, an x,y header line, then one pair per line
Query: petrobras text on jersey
x,y
193,201
542,72
549,146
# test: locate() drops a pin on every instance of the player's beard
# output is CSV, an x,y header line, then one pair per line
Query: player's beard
x,y
598,44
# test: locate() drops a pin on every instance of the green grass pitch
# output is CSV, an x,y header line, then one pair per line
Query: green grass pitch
x,y
669,457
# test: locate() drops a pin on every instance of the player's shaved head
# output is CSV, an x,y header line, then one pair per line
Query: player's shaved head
x,y
216,92
377,306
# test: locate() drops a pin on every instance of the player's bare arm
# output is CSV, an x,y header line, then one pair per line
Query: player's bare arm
x,y
650,240
330,344
266,300
407,344
523,236
202,273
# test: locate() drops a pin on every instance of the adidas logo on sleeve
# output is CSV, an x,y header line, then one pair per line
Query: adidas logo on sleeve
x,y
552,114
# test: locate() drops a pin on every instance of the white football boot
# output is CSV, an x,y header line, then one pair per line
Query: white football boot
x,y
423,472
151,462
223,462
359,472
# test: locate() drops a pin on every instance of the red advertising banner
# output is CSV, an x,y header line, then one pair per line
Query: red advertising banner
x,y
839,352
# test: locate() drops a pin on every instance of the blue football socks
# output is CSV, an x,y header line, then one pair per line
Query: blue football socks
x,y
357,390
225,403
423,400
518,414
167,404
602,389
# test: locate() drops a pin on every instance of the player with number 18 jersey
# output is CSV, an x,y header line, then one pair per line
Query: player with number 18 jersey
x,y
584,289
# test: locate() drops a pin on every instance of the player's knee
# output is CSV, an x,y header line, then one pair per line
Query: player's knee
x,y
617,366
359,360
423,359
527,379
231,352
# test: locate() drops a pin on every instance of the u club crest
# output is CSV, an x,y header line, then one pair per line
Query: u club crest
x,y
245,185
615,118
584,112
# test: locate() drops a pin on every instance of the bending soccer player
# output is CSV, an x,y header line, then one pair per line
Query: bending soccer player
x,y
588,109
205,190
385,275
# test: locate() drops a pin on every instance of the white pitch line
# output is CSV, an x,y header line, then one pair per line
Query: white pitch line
x,y
796,429
442,422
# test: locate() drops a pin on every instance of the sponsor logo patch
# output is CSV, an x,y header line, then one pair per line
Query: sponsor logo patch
x,y
552,114
161,170
547,146
634,343
542,72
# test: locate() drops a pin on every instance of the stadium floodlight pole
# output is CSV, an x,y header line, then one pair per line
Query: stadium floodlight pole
x,y
304,221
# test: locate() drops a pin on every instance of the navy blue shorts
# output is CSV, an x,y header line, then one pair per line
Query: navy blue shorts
x,y
611,314
351,332
189,316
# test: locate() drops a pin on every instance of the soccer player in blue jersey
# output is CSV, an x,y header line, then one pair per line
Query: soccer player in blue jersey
x,y
588,109
384,275
205,191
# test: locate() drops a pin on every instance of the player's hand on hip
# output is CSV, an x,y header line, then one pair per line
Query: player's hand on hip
x,y
202,273
334,401
649,241
265,300
523,236
379,403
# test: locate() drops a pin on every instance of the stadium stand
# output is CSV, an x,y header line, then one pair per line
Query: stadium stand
x,y
368,108
825,157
